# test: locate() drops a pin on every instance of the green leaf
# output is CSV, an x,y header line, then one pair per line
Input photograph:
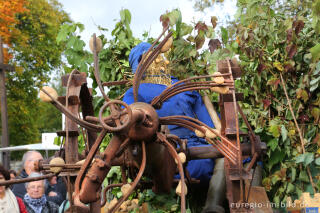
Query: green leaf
x,y
210,32
315,81
315,51
278,65
78,45
293,174
317,70
115,170
274,129
314,87
290,188
199,40
315,112
284,133
57,141
174,17
305,158
273,143
301,93
303,176
275,179
185,29
80,26
309,188
276,199
125,16
317,161
224,35
193,53
119,194
234,45
71,41
276,157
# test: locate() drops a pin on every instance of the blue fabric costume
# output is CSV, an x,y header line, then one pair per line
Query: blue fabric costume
x,y
186,103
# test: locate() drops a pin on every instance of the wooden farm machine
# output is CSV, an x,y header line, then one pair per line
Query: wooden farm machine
x,y
138,140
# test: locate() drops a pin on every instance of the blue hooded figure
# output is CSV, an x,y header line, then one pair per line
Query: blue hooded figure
x,y
187,103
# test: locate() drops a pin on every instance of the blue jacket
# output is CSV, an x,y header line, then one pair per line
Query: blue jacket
x,y
186,103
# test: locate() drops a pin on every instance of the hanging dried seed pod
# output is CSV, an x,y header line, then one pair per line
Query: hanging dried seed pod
x,y
217,78
98,42
167,45
221,90
44,97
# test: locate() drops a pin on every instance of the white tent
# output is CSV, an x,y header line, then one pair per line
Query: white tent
x,y
36,146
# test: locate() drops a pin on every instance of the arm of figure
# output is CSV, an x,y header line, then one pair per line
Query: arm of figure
x,y
128,97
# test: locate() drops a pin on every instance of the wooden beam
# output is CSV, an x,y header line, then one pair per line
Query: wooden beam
x,y
4,112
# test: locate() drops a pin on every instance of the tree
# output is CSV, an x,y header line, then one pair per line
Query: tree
x,y
8,11
35,55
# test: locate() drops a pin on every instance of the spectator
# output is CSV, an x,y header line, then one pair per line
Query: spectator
x,y
13,174
35,199
56,190
28,160
9,203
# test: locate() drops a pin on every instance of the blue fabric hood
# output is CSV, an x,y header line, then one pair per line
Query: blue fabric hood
x,y
136,55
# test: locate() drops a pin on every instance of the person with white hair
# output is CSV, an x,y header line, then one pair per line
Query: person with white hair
x,y
28,160
35,199
53,193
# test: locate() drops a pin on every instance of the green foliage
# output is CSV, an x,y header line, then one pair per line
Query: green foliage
x,y
272,40
75,53
162,203
113,59
305,158
315,52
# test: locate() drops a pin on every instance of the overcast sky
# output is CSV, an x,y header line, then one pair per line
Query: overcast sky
x,y
145,13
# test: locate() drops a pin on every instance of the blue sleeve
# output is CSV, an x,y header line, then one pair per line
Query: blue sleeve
x,y
201,111
128,97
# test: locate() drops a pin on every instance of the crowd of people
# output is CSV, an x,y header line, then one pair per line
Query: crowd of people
x,y
42,196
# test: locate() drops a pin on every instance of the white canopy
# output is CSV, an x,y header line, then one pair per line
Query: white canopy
x,y
36,146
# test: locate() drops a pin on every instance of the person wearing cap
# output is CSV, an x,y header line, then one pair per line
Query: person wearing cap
x,y
156,79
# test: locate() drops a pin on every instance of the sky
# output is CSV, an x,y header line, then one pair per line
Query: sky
x,y
145,14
